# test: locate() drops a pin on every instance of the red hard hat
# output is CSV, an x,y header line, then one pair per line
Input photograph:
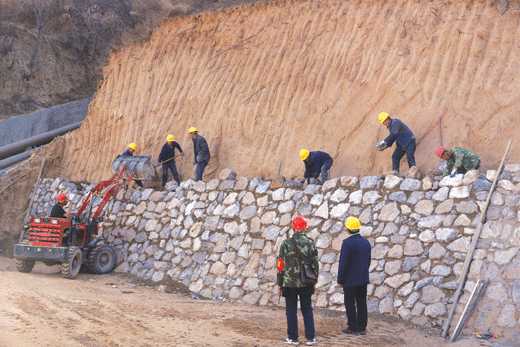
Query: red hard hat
x,y
299,223
440,151
61,198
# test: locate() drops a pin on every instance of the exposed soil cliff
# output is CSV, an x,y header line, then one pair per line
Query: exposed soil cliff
x,y
261,81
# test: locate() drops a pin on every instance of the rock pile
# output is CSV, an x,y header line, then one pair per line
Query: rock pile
x,y
221,238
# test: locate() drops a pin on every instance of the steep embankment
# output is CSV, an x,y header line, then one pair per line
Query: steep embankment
x,y
262,81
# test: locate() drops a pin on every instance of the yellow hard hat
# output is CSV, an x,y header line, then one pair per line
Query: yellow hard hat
x,y
133,146
304,153
192,130
352,223
170,138
382,117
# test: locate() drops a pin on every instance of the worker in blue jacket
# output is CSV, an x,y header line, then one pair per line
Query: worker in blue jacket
x,y
317,165
353,268
167,159
404,140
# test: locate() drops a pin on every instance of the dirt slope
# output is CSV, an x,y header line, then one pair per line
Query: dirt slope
x,y
52,51
262,81
111,311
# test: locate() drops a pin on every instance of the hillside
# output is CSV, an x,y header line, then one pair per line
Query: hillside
x,y
52,51
261,81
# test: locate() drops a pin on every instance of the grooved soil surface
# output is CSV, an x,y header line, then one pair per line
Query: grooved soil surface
x,y
262,81
43,309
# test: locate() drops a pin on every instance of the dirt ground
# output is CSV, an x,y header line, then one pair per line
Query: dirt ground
x,y
44,309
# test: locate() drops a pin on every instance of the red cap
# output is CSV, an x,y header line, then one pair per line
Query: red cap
x,y
61,198
299,223
440,151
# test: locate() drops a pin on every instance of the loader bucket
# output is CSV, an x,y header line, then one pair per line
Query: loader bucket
x,y
137,167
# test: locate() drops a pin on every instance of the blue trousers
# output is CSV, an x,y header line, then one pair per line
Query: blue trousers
x,y
170,166
291,311
199,170
400,152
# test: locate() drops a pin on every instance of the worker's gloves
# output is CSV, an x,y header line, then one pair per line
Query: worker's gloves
x,y
453,172
381,145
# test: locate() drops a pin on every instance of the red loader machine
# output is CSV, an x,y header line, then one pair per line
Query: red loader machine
x,y
73,241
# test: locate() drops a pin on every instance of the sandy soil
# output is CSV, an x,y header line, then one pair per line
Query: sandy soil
x,y
44,309
262,81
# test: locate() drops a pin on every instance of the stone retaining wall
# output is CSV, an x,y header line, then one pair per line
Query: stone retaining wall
x,y
220,238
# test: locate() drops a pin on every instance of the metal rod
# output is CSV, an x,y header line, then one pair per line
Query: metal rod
x,y
40,139
473,246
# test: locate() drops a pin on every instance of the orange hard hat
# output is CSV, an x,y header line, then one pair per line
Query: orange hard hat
x,y
299,223
440,151
61,198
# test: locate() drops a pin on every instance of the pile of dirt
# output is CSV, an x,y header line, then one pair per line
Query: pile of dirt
x,y
262,81
52,51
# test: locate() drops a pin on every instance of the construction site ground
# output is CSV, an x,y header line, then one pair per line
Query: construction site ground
x,y
42,308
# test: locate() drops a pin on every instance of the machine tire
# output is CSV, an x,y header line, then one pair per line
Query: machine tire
x,y
24,265
102,259
72,264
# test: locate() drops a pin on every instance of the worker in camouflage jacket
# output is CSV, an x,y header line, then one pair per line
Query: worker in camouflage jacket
x,y
458,160
293,252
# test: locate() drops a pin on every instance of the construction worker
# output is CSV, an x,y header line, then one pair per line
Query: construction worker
x,y
201,154
294,253
405,143
354,263
458,160
317,165
58,210
167,159
129,152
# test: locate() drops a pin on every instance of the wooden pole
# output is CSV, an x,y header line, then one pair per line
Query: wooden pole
x,y
473,246
470,307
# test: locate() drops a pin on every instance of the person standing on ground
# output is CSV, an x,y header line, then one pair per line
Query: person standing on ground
x,y
317,165
201,154
129,152
405,143
58,210
298,254
167,159
354,263
458,160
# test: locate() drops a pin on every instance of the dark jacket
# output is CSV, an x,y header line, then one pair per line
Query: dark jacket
x,y
168,151
314,163
354,261
200,149
126,153
399,133
57,211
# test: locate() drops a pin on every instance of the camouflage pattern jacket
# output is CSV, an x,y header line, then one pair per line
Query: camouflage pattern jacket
x,y
461,159
288,263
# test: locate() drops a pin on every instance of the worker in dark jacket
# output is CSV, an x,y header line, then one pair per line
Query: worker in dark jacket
x,y
201,154
404,140
58,210
317,165
129,152
354,263
294,252
167,159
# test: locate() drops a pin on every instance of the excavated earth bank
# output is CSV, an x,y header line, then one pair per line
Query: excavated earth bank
x,y
261,81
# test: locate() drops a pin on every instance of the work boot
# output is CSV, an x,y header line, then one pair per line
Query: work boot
x,y
392,173
348,331
413,172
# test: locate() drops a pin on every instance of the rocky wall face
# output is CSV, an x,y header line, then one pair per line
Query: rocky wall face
x,y
221,239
